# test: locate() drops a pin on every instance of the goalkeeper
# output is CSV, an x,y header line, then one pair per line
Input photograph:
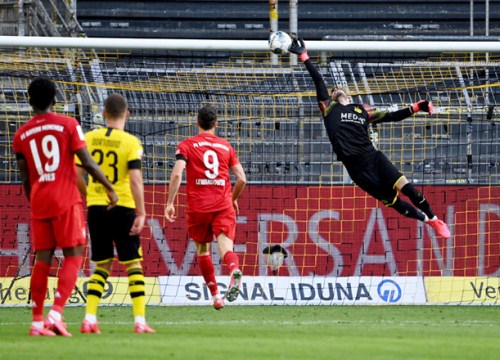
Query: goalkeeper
x,y
347,127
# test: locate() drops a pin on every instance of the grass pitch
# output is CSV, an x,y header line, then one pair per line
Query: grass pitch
x,y
266,332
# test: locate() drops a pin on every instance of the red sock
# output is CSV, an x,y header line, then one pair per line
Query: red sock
x,y
231,260
208,272
38,288
67,281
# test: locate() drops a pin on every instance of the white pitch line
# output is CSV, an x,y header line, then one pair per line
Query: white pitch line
x,y
291,323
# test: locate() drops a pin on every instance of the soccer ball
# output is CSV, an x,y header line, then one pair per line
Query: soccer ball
x,y
279,42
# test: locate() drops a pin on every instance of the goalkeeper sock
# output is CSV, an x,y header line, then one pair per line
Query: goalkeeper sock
x,y
231,260
418,199
208,272
67,281
38,288
95,290
407,210
137,289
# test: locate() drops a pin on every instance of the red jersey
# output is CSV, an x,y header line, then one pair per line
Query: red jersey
x,y
208,160
48,142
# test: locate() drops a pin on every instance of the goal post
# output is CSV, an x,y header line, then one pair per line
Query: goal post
x,y
246,45
338,245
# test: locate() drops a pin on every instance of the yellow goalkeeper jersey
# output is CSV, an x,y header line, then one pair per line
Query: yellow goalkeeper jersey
x,y
116,152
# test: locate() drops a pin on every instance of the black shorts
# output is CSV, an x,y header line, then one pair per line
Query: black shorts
x,y
376,175
109,228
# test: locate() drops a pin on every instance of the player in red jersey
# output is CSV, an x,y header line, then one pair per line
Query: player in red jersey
x,y
211,204
45,149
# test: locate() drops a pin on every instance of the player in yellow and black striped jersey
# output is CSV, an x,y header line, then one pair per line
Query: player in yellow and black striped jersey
x,y
119,154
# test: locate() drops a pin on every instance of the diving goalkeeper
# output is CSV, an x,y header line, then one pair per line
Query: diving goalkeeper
x,y
347,126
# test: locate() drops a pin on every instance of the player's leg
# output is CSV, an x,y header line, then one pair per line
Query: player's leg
x,y
208,272
65,285
415,196
39,278
224,227
232,262
69,231
130,254
377,179
418,199
390,175
137,289
44,245
67,277
102,254
406,209
38,288
199,229
94,293
225,244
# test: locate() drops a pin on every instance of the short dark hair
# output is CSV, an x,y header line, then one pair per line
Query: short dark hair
x,y
207,117
115,105
42,93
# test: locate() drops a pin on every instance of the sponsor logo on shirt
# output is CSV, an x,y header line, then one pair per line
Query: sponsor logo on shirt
x,y
351,117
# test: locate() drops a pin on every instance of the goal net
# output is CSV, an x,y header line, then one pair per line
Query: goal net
x,y
339,245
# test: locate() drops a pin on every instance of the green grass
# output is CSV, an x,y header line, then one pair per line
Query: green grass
x,y
266,332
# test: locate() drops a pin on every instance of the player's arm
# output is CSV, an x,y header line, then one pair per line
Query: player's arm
x,y
239,185
377,116
82,185
25,175
173,188
95,171
137,188
298,47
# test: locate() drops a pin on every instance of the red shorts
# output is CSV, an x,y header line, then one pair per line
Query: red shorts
x,y
64,231
201,227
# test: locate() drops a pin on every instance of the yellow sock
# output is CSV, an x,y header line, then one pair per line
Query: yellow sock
x,y
137,289
95,289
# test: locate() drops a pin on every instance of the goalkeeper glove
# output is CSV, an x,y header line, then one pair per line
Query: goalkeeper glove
x,y
423,105
298,48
